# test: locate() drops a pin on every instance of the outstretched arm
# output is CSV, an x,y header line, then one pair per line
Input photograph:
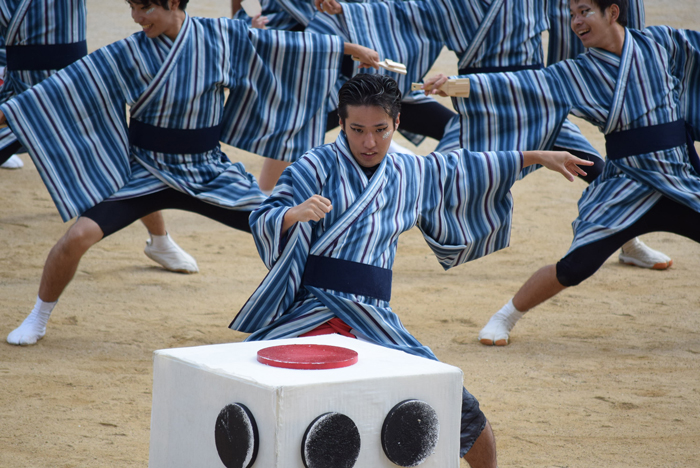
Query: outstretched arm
x,y
562,162
313,209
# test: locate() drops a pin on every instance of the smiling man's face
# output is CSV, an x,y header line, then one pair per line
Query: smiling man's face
x,y
156,20
590,24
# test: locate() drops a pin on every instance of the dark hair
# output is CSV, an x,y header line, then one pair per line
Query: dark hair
x,y
160,3
622,4
368,89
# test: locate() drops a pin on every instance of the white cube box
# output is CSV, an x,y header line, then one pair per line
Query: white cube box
x,y
192,386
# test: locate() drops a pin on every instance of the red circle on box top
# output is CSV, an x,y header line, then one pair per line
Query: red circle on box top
x,y
307,356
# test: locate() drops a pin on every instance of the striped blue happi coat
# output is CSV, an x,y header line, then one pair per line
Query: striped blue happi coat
x,y
655,81
482,33
74,123
36,22
460,201
564,43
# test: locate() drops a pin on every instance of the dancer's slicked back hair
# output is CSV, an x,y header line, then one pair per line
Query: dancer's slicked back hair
x,y
367,89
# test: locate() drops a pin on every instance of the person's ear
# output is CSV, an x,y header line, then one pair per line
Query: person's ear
x,y
396,124
614,13
341,123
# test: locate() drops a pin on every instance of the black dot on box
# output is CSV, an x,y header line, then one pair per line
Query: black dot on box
x,y
410,433
236,436
331,441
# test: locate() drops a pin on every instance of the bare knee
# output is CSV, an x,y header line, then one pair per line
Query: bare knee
x,y
82,235
483,453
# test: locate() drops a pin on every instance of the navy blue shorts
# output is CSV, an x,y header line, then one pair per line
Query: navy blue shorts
x,y
473,422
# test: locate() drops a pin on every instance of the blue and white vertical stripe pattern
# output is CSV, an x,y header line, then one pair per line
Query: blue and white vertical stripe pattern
x,y
35,22
277,107
39,22
303,11
460,201
527,108
513,39
683,47
406,32
277,17
564,43
273,109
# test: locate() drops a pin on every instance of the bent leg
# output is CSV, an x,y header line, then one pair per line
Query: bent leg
x,y
477,443
540,287
65,256
59,269
580,264
483,452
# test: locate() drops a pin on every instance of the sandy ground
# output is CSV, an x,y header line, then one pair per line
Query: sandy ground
x,y
603,375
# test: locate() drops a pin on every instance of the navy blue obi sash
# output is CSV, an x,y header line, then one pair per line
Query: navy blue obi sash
x,y
44,56
348,277
650,139
173,140
510,68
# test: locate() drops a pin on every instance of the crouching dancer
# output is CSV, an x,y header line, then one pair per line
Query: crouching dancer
x,y
642,90
329,231
111,174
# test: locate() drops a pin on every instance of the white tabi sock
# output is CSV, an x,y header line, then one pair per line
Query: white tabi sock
x,y
160,242
34,326
497,331
636,252
164,251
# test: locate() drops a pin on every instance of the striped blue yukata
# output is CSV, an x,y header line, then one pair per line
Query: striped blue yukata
x,y
486,35
303,13
26,25
564,43
277,17
460,201
656,81
278,83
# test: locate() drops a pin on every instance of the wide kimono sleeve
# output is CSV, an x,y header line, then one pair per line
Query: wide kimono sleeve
x,y
278,91
517,111
74,116
284,254
407,32
466,208
297,183
683,47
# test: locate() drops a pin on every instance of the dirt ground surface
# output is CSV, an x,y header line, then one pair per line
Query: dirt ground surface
x,y
606,374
